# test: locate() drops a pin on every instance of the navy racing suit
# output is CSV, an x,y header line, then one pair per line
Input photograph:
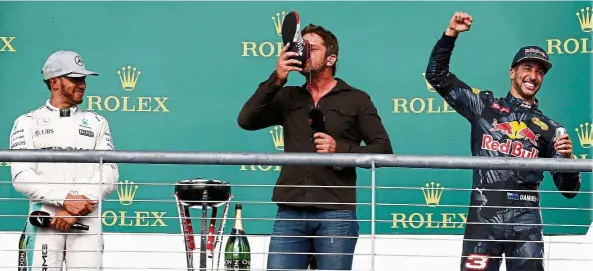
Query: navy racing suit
x,y
504,215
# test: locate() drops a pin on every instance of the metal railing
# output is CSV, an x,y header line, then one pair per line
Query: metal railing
x,y
335,159
369,161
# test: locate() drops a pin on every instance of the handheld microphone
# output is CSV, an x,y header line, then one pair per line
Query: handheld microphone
x,y
317,120
42,219
291,34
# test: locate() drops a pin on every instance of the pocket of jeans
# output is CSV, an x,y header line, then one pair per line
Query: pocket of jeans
x,y
342,223
287,222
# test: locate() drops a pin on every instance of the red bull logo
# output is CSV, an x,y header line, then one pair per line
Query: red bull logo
x,y
515,131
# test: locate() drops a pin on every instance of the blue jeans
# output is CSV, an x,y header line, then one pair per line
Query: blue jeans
x,y
303,230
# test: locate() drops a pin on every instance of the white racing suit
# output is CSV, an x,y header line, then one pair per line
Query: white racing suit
x,y
47,184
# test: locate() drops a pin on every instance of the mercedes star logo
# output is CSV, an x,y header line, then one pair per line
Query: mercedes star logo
x,y
78,60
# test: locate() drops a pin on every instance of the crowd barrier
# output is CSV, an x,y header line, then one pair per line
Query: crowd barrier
x,y
165,251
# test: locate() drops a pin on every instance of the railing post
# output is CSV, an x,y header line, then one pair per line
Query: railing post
x,y
99,214
373,204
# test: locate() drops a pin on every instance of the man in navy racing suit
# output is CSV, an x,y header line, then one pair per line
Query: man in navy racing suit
x,y
512,126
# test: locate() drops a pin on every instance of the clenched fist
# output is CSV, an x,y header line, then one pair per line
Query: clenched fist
x,y
460,22
563,146
324,143
78,205
63,221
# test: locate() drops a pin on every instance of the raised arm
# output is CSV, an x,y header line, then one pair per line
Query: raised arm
x,y
459,95
263,108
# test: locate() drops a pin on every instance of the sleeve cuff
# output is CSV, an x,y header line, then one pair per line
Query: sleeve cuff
x,y
342,147
272,82
446,41
60,202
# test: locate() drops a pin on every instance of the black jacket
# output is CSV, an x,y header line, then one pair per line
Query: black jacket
x,y
350,118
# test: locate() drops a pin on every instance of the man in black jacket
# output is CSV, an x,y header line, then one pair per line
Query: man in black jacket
x,y
325,115
512,126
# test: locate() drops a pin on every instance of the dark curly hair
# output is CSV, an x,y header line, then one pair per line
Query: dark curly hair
x,y
329,39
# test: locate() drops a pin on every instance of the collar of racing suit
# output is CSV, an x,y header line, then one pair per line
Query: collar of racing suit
x,y
64,112
518,102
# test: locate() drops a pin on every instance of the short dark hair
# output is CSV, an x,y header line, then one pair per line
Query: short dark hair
x,y
329,39
47,84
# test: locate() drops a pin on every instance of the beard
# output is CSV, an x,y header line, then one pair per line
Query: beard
x,y
71,96
312,68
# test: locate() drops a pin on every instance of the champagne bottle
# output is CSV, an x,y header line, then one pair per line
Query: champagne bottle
x,y
237,254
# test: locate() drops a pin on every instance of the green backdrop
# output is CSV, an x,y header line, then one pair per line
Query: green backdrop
x,y
196,63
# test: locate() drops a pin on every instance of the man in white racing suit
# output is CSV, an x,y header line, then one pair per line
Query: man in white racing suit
x,y
69,192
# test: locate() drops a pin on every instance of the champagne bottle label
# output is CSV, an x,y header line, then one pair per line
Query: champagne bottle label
x,y
238,264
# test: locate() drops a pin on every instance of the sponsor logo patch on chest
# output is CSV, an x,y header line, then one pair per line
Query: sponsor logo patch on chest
x,y
42,132
86,133
518,134
508,147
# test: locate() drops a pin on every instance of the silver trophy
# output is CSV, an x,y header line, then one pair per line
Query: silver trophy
x,y
202,194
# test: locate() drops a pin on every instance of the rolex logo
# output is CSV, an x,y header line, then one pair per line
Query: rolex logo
x,y
128,77
266,48
575,45
278,20
126,217
585,135
432,194
278,137
433,104
126,192
6,44
586,19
